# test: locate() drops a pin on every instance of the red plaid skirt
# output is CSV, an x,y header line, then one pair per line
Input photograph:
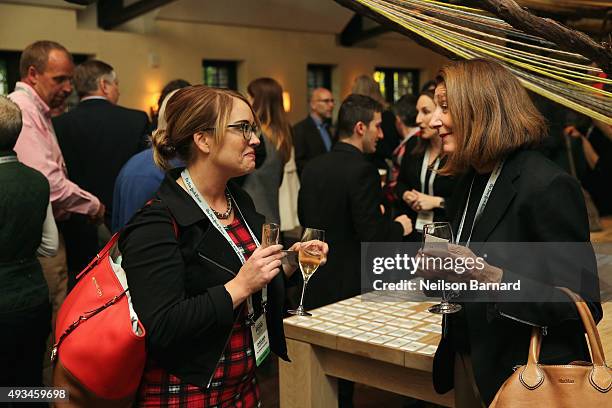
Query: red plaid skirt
x,y
233,383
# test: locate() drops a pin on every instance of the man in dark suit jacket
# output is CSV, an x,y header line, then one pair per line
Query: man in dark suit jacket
x,y
341,194
312,136
97,138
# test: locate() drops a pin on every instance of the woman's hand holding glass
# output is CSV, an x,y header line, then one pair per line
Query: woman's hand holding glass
x,y
312,254
261,267
471,267
324,248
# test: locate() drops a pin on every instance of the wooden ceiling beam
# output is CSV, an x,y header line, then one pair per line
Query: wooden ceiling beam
x,y
112,13
355,31
364,11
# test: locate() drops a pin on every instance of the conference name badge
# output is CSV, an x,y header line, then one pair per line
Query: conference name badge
x,y
424,217
261,342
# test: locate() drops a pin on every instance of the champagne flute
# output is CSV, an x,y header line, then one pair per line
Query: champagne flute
x,y
310,255
435,234
270,233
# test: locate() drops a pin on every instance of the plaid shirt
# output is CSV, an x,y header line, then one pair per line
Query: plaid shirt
x,y
233,383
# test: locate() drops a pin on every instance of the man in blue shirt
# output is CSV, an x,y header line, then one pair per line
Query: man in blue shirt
x,y
138,180
311,137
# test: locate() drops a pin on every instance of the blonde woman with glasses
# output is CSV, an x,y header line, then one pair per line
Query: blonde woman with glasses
x,y
209,296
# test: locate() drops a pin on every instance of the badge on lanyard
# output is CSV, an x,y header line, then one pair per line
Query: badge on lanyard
x,y
261,342
484,199
259,329
423,217
426,217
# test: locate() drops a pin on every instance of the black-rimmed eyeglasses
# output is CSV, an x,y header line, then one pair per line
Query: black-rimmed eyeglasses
x,y
248,130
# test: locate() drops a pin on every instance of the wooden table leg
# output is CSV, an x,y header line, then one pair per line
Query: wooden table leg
x,y
303,384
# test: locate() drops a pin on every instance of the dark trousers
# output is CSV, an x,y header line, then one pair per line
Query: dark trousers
x,y
22,345
23,342
25,323
346,389
81,238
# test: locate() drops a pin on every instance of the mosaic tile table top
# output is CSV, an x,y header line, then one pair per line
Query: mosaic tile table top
x,y
388,329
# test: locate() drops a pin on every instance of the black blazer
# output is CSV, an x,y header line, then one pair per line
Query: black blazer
x,y
307,142
410,178
532,201
177,285
97,138
340,193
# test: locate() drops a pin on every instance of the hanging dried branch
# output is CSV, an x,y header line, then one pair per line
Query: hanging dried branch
x,y
365,11
565,38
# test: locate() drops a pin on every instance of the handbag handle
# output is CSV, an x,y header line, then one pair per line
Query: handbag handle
x,y
81,319
532,377
100,255
597,352
111,242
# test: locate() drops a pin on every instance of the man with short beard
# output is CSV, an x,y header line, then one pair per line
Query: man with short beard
x,y
46,72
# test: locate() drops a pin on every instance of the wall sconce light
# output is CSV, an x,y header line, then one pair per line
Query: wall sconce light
x,y
286,101
152,99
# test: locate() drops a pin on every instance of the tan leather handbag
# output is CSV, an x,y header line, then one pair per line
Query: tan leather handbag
x,y
578,384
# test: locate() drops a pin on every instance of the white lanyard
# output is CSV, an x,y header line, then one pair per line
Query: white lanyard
x,y
486,194
424,173
195,194
8,159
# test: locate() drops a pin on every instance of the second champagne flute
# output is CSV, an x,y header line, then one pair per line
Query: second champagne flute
x,y
435,234
270,234
310,255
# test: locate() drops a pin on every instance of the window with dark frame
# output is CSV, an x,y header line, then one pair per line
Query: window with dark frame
x,y
220,74
397,82
3,78
319,76
9,71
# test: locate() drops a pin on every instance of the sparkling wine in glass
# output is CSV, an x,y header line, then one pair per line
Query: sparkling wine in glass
x,y
438,233
309,258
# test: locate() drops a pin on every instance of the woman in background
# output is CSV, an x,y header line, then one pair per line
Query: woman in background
x,y
266,96
424,193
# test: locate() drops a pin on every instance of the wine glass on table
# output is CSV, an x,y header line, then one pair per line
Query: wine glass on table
x,y
309,258
440,233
